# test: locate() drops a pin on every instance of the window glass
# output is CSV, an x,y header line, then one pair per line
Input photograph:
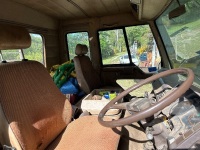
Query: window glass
x,y
76,38
34,52
143,46
113,47
11,55
181,36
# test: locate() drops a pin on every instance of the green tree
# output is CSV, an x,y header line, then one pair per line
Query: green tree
x,y
35,51
105,44
139,34
76,38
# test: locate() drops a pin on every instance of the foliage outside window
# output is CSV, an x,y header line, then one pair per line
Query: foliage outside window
x,y
76,38
34,52
112,45
142,46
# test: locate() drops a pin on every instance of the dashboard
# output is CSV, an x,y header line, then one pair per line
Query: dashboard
x,y
177,125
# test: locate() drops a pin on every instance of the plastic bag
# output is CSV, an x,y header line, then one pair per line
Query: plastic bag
x,y
70,87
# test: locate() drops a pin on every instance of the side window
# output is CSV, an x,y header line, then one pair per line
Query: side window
x,y
34,52
113,47
142,45
76,38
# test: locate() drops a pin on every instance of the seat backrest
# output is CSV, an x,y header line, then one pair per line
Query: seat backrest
x,y
88,78
32,109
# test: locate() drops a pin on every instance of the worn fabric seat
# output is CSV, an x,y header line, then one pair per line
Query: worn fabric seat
x,y
33,112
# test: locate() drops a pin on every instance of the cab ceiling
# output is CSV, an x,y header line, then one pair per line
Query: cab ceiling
x,y
72,9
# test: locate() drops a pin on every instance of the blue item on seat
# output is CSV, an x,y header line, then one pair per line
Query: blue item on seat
x,y
152,69
70,87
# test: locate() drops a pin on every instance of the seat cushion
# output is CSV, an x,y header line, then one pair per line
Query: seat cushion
x,y
86,133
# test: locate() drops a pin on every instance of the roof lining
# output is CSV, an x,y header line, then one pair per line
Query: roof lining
x,y
77,6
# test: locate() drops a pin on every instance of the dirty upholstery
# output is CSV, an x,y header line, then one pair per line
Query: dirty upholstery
x,y
33,112
35,109
88,78
96,136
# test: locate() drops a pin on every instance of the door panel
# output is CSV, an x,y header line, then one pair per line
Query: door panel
x,y
111,74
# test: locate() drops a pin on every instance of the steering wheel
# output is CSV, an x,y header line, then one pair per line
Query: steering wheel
x,y
163,102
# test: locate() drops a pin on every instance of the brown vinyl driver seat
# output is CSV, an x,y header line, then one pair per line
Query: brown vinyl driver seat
x,y
33,112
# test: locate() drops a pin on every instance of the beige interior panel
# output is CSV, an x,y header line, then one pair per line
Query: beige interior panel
x,y
52,50
121,20
59,9
14,12
68,9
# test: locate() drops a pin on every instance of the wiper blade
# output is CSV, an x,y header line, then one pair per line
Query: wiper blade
x,y
179,31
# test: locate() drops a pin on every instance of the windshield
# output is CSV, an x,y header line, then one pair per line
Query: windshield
x,y
126,56
181,35
132,56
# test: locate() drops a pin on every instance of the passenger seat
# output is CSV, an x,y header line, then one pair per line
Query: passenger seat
x,y
88,78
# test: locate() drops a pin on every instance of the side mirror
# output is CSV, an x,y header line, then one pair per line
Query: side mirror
x,y
177,12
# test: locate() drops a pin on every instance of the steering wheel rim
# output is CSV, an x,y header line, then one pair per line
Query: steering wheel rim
x,y
164,101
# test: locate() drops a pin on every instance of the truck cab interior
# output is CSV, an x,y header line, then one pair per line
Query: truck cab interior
x,y
99,74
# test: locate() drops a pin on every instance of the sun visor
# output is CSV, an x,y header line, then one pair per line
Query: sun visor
x,y
149,9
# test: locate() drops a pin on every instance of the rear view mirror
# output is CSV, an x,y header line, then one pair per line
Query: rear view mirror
x,y
177,12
